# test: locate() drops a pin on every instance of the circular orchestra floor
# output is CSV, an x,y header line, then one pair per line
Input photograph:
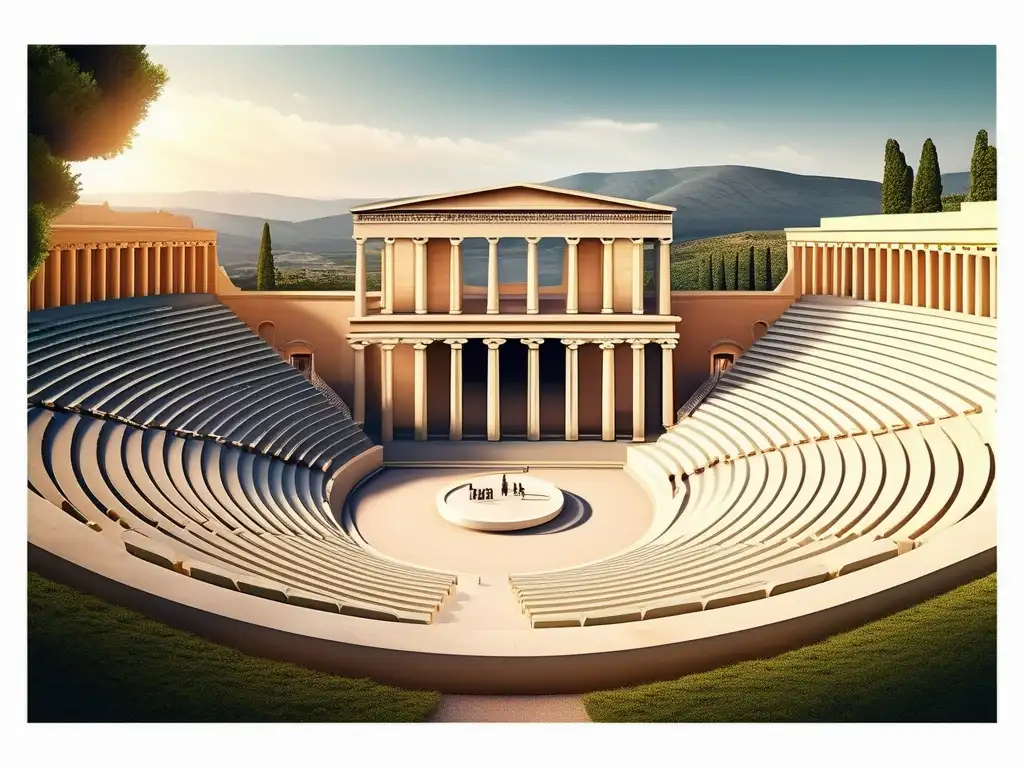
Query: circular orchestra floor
x,y
602,512
498,502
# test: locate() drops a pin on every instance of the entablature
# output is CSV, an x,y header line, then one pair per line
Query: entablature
x,y
589,327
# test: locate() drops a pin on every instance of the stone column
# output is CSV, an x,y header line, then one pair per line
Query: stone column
x,y
212,269
359,382
572,388
979,285
639,383
845,257
115,271
572,293
929,278
608,389
387,389
638,275
53,267
179,268
38,299
190,268
855,252
668,383
194,268
455,277
455,409
532,388
814,269
387,306
965,283
493,388
905,277
607,296
493,280
100,273
993,283
420,274
532,300
419,402
359,309
71,273
157,268
880,273
203,268
953,280
664,276
838,253
915,275
86,274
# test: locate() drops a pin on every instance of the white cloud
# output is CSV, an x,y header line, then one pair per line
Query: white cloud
x,y
299,96
212,142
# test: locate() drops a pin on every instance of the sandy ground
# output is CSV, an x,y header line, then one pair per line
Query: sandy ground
x,y
396,514
510,709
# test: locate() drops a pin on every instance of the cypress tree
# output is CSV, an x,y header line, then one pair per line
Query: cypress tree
x,y
892,177
986,186
265,266
721,272
928,184
736,273
751,283
977,163
907,190
709,276
768,268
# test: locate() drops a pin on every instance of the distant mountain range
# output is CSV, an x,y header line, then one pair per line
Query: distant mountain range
x,y
710,201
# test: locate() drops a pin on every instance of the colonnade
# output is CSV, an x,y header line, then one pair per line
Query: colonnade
x,y
77,273
533,422
532,284
947,277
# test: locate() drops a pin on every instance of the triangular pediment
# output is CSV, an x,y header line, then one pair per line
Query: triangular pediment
x,y
513,197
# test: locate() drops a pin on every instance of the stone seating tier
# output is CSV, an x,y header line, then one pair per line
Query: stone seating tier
x,y
187,364
222,515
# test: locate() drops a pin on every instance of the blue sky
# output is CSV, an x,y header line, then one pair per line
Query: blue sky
x,y
353,121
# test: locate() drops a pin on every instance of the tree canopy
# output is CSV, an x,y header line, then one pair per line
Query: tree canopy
x,y
928,184
84,102
266,278
896,184
983,169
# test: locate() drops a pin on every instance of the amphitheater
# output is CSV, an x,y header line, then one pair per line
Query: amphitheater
x,y
818,455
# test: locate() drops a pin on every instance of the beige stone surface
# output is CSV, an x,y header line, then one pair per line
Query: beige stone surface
x,y
396,515
510,709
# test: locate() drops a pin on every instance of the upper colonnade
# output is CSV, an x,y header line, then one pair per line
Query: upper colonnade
x,y
946,261
425,235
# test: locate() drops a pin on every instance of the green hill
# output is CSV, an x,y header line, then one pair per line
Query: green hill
x,y
690,260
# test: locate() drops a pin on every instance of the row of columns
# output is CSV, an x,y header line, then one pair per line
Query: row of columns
x,y
532,279
78,274
387,347
954,278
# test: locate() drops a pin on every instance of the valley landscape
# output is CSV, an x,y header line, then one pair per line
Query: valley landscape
x,y
313,238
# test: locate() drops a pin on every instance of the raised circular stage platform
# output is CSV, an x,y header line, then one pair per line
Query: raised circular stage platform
x,y
539,503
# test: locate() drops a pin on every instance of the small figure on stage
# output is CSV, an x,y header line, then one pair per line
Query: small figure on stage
x,y
504,486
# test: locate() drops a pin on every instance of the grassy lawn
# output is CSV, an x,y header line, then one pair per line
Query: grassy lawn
x,y
91,661
935,662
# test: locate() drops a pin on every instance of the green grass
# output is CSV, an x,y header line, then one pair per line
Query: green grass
x,y
935,662
92,661
689,260
729,245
